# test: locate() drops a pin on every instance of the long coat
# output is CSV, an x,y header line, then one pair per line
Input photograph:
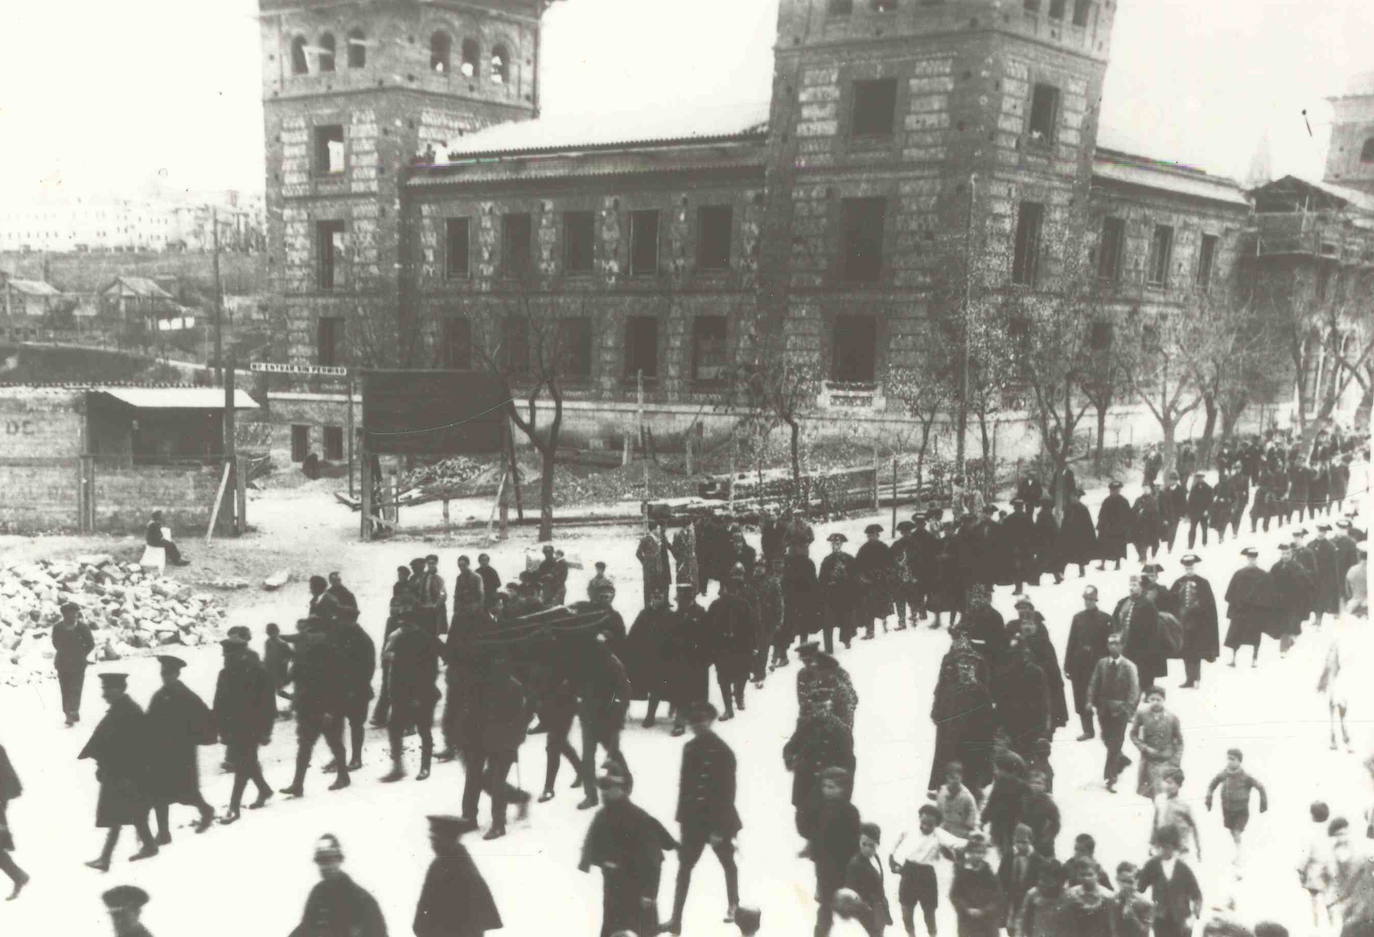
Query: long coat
x,y
706,787
628,844
1113,527
1293,596
119,747
455,900
1147,524
1077,537
877,577
337,907
964,718
644,654
732,634
1023,702
1197,611
1250,605
1138,622
177,722
245,706
945,591
1087,644
687,656
414,670
839,590
1330,578
1049,557
820,741
799,595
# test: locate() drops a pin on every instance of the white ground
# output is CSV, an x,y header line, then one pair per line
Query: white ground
x,y
252,878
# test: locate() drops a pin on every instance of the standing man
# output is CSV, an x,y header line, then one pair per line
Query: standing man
x,y
1197,612
434,595
119,747
733,634
1330,579
1292,596
1249,606
454,900
603,696
688,657
318,676
799,596
1146,524
245,709
1018,535
1113,527
337,904
905,560
1077,538
178,721
652,563
1086,646
706,810
1173,506
877,576
1136,619
357,656
411,659
1199,504
498,715
470,599
72,644
491,580
838,594
1114,692
344,599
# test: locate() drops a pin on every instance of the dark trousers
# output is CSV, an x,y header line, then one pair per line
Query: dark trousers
x,y
1114,737
621,908
487,771
556,748
71,683
11,868
1168,535
243,758
1195,524
731,688
694,841
1192,669
173,552
145,837
1080,703
408,714
599,727
309,728
162,813
355,714
909,595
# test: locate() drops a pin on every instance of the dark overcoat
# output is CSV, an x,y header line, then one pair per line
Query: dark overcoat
x,y
455,900
178,722
119,747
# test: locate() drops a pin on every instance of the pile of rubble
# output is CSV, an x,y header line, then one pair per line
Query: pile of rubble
x,y
130,611
451,473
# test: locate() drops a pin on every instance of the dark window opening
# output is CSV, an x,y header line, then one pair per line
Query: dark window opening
x,y
357,49
644,242
1111,249
1081,9
861,236
457,339
471,53
1044,114
500,66
440,52
1367,151
515,345
333,444
1161,255
1206,259
327,50
329,244
456,249
1149,338
516,235
840,7
1030,223
575,348
329,149
579,241
1100,336
875,107
329,335
708,348
641,347
714,224
300,442
854,348
1057,9
300,65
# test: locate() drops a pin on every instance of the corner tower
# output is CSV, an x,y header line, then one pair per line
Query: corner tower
x,y
1350,156
352,93
960,116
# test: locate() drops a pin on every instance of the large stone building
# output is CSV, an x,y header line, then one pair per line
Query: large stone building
x,y
421,210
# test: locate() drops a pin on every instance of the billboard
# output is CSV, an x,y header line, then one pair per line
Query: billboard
x,y
433,412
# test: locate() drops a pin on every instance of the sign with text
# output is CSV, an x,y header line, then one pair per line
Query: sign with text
x,y
310,370
433,412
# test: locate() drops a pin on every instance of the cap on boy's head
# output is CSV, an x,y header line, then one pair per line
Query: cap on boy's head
x,y
607,781
1024,604
1343,523
327,847
1113,484
1250,552
873,529
170,664
449,825
837,538
904,526
872,831
1285,548
119,681
702,711
1235,753
1337,825
125,898
1192,559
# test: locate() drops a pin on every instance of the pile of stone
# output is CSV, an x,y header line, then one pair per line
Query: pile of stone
x,y
131,611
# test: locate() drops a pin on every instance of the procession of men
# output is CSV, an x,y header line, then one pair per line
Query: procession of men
x,y
516,659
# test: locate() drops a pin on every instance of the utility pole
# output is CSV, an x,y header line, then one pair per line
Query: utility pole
x,y
219,297
962,421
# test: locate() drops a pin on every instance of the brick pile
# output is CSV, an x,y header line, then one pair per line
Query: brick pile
x,y
131,612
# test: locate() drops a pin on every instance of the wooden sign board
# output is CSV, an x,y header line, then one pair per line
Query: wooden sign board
x,y
433,413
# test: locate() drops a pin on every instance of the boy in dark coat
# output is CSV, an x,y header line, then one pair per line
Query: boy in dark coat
x,y
10,788
837,581
628,845
119,747
1019,871
410,661
733,630
976,893
455,900
864,877
877,580
177,722
820,741
1002,812
705,810
1173,886
831,827
494,725
1041,814
276,657
337,904
245,709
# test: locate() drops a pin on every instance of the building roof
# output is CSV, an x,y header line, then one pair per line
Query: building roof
x,y
1322,191
1143,172
138,286
176,398
32,287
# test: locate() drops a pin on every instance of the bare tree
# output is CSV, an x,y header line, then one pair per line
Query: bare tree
x,y
924,385
1160,365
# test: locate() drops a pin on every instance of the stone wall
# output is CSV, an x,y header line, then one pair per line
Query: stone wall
x,y
123,496
39,495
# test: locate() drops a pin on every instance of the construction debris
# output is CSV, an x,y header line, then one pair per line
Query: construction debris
x,y
131,612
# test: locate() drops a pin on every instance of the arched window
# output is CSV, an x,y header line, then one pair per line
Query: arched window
x,y
1367,153
357,49
500,65
472,53
327,49
440,52
299,64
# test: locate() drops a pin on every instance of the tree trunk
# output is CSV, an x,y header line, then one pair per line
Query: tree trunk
x,y
1363,412
1209,428
794,429
926,426
1101,437
1170,464
550,464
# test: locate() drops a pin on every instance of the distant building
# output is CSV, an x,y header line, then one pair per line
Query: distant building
x,y
67,225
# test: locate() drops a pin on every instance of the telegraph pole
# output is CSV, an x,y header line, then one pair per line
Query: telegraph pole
x,y
219,297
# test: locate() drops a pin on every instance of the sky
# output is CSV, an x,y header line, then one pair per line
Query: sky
x,y
99,97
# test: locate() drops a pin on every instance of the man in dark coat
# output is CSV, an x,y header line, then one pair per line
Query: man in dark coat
x,y
820,741
1032,633
1307,558
1250,606
1046,545
1297,490
357,656
495,721
245,709
984,625
686,657
1200,498
470,599
1086,646
1077,537
906,560
767,587
178,721
1136,619
877,578
1023,701
10,788
799,596
1330,579
1197,612
1113,527
705,810
645,654
839,592
491,579
411,660
1292,597
454,900
653,563
1146,524
603,693
732,633
119,747
962,711
1240,497
1173,506
628,844
1018,542
338,905
125,906
72,644
320,687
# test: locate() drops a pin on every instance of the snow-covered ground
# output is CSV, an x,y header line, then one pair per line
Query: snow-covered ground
x,y
252,878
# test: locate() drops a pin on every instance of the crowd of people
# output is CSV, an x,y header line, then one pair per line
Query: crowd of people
x,y
501,655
